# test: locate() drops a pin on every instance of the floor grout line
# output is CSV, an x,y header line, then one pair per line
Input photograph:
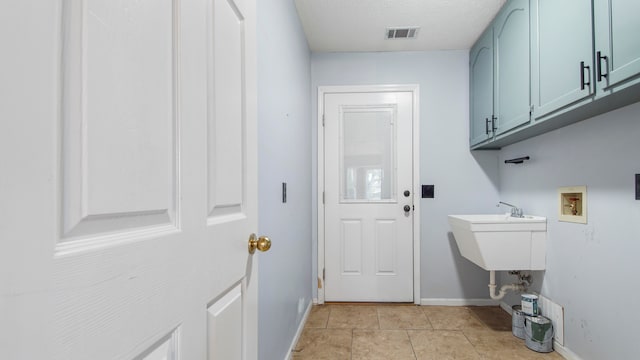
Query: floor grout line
x,y
351,349
415,356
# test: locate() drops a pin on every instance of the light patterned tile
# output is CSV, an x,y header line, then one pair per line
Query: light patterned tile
x,y
442,345
353,333
492,317
381,345
451,318
499,345
402,317
353,317
318,317
323,344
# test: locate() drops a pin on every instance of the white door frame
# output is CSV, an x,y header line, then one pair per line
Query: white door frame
x,y
415,90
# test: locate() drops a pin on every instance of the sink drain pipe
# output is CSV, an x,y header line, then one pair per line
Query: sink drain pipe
x,y
503,290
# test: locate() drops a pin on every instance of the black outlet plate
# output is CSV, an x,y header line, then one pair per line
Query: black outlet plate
x,y
637,186
428,191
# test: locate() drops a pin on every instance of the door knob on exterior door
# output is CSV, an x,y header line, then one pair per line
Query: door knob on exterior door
x,y
407,208
262,243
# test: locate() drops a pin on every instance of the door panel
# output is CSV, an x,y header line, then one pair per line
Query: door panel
x,y
368,161
166,348
130,188
228,184
119,154
226,158
386,242
351,246
223,328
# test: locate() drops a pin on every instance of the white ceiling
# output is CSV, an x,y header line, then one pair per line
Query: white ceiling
x,y
359,25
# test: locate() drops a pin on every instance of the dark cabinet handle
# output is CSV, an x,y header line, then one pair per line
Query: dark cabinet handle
x,y
583,84
599,64
486,126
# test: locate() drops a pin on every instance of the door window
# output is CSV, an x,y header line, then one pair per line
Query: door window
x,y
367,154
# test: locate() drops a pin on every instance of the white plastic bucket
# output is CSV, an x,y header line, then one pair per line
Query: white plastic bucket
x,y
517,321
529,303
538,333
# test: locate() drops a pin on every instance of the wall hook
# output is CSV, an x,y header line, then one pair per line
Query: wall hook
x,y
519,160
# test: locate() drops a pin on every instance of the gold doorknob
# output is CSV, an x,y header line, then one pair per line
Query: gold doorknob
x,y
262,243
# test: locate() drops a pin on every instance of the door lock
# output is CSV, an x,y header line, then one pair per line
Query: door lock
x,y
407,193
407,208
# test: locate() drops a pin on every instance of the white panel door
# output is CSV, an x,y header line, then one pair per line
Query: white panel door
x,y
368,184
127,133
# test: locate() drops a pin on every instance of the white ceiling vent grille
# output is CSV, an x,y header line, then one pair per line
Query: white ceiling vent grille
x,y
408,32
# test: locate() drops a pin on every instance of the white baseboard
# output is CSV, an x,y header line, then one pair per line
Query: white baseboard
x,y
562,350
458,302
565,352
299,331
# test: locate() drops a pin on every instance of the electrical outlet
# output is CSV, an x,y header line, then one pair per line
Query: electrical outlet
x,y
555,313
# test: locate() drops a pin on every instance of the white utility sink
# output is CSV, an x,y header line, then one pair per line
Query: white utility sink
x,y
501,242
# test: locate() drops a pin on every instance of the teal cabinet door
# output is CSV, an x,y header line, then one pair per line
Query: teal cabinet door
x,y
617,34
481,89
511,64
561,54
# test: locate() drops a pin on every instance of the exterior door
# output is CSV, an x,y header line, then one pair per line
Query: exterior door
x,y
128,180
368,169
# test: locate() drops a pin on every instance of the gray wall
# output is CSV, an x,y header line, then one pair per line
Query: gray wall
x,y
284,153
464,183
592,269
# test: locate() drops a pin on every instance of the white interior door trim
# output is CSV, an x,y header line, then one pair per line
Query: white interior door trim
x,y
415,90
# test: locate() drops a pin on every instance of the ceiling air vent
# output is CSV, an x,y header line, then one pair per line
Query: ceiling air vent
x,y
409,32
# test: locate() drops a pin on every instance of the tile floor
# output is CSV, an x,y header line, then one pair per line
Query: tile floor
x,y
398,332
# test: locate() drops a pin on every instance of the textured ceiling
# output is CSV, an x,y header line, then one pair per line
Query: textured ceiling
x,y
359,25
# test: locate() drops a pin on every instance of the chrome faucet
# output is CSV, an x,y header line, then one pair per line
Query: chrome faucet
x,y
515,211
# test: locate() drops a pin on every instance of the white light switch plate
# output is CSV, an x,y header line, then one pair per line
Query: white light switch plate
x,y
554,312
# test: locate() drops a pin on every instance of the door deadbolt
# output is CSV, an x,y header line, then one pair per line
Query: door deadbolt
x,y
407,193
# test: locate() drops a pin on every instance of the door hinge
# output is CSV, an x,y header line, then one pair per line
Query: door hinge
x,y
322,120
323,274
323,197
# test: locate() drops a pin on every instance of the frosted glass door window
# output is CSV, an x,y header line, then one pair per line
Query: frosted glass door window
x,y
367,154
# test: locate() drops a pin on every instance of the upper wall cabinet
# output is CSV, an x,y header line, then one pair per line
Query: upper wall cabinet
x,y
561,54
481,85
511,34
555,63
617,38
499,75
